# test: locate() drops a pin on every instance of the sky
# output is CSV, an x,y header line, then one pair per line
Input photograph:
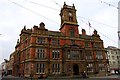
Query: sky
x,y
15,14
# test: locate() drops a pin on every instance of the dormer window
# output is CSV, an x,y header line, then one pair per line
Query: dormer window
x,y
40,40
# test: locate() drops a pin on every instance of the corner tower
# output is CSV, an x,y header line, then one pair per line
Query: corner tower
x,y
69,25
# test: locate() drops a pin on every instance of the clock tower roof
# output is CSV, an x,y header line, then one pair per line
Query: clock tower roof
x,y
69,25
67,6
68,15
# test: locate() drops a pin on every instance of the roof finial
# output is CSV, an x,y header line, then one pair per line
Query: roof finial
x,y
17,41
42,25
25,27
64,3
73,6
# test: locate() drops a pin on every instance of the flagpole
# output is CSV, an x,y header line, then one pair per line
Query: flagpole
x,y
89,27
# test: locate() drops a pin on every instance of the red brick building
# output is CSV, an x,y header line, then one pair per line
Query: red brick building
x,y
41,52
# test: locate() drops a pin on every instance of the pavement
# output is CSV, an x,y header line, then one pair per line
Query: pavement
x,y
112,77
10,77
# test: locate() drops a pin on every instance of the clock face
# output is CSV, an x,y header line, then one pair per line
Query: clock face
x,y
70,14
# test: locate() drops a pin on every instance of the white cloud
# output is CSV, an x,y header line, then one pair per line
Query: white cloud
x,y
109,34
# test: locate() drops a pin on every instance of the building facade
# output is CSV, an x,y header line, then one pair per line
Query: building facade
x,y
42,53
10,64
4,67
113,55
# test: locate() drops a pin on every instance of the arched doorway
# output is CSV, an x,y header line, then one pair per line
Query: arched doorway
x,y
75,69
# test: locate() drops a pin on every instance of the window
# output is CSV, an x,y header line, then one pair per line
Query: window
x,y
55,54
110,62
116,52
113,62
99,55
118,62
40,53
81,55
25,43
68,55
112,52
109,57
41,40
71,18
117,57
113,57
86,44
101,67
74,54
26,68
97,44
23,56
89,67
27,53
56,68
71,32
72,42
88,55
55,42
40,68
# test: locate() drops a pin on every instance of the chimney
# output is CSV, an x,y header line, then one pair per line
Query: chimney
x,y
95,34
35,27
42,25
83,32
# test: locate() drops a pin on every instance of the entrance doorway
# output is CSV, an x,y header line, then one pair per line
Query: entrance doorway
x,y
75,69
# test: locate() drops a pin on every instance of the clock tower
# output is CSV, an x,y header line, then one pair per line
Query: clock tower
x,y
69,25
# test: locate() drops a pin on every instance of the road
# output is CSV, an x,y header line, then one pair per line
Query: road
x,y
112,77
0,77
